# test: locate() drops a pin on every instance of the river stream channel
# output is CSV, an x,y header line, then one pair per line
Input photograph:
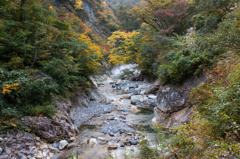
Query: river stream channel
x,y
117,132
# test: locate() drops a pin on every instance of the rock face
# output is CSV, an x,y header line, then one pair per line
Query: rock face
x,y
174,119
154,88
172,102
53,130
139,77
49,129
23,145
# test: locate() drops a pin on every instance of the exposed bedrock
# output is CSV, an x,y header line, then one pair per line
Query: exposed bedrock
x,y
173,106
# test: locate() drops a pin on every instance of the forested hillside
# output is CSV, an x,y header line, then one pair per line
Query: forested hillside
x,y
48,49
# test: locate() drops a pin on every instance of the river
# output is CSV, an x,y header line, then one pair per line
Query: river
x,y
117,133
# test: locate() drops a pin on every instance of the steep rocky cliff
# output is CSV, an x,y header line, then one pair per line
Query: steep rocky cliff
x,y
96,16
173,106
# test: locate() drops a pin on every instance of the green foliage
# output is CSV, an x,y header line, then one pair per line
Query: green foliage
x,y
29,93
218,101
64,73
21,95
146,152
196,50
206,14
183,64
127,19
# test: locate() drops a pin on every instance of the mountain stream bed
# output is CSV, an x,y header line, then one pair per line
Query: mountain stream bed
x,y
123,119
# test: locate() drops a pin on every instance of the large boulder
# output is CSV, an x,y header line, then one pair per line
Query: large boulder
x,y
174,98
24,145
48,129
168,120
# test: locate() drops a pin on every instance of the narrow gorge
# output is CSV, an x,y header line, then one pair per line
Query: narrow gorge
x,y
119,79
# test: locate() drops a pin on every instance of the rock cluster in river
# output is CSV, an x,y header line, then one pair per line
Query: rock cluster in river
x,y
82,115
114,126
135,90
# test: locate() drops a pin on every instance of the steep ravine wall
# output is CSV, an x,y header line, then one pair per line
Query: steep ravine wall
x,y
89,10
173,106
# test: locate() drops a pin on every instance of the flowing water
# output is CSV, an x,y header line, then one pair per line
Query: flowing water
x,y
119,128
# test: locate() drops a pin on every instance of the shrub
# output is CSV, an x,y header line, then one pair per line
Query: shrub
x,y
21,94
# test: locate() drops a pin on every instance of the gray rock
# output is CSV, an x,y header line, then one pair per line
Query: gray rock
x,y
1,139
4,157
92,141
119,92
136,98
120,144
154,88
125,110
123,117
55,145
71,145
142,92
133,142
126,89
151,96
21,156
102,139
112,146
134,103
111,118
133,85
108,101
113,85
145,99
114,126
153,104
1,150
53,149
118,82
111,134
128,96
100,84
136,137
168,120
173,100
62,144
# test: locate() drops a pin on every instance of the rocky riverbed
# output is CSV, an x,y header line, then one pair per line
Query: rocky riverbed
x,y
112,128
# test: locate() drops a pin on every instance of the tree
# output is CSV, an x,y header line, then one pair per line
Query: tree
x,y
163,16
